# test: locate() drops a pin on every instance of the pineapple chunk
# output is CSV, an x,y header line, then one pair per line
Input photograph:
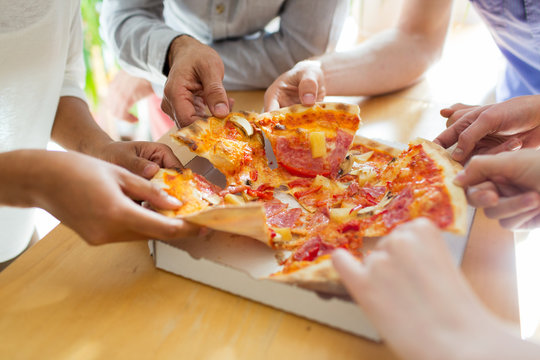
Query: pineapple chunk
x,y
284,234
341,215
318,144
232,199
329,185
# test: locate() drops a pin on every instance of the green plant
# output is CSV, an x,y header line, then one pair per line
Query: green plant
x,y
96,72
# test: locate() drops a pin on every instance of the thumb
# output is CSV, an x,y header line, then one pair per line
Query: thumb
x,y
143,167
214,92
308,88
482,168
138,188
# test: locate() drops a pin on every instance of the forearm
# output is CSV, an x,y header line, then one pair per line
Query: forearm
x,y
74,127
395,58
29,172
386,62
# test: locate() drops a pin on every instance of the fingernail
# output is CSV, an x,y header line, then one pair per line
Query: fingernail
x,y
221,110
457,153
458,180
308,99
171,199
513,144
150,169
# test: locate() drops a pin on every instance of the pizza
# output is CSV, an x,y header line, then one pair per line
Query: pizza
x,y
331,190
311,141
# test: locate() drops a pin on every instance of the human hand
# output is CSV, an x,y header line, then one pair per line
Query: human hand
x,y
490,129
303,84
140,157
94,198
123,92
506,185
412,292
195,79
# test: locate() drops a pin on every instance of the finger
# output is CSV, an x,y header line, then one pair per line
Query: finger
x,y
447,112
483,195
129,117
141,166
522,221
167,109
509,145
531,224
138,188
308,88
182,107
481,124
504,188
272,105
350,270
481,168
214,92
160,154
450,136
156,226
461,106
514,206
271,102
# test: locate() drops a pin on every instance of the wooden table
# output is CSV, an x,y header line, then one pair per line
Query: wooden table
x,y
63,299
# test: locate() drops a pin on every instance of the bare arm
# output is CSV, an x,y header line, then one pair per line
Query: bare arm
x,y
90,196
75,129
392,59
388,61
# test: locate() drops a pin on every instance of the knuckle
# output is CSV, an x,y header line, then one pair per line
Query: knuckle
x,y
476,161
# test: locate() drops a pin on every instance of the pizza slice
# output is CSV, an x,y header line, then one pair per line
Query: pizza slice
x,y
353,187
311,141
205,204
233,145
417,183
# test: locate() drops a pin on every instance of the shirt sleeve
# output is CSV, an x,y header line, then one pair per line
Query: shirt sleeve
x,y
136,32
307,28
75,71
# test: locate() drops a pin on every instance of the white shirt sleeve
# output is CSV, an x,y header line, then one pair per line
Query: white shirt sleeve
x,y
75,71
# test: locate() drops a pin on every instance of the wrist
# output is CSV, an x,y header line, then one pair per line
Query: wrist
x,y
179,43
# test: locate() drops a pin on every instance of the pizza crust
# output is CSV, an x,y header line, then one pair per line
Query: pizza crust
x,y
450,168
296,109
187,134
320,276
373,144
247,220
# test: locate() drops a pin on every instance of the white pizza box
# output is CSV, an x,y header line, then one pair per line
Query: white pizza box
x,y
240,265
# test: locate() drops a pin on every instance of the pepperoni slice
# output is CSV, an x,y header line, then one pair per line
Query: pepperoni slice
x,y
398,209
274,207
312,249
294,154
285,219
